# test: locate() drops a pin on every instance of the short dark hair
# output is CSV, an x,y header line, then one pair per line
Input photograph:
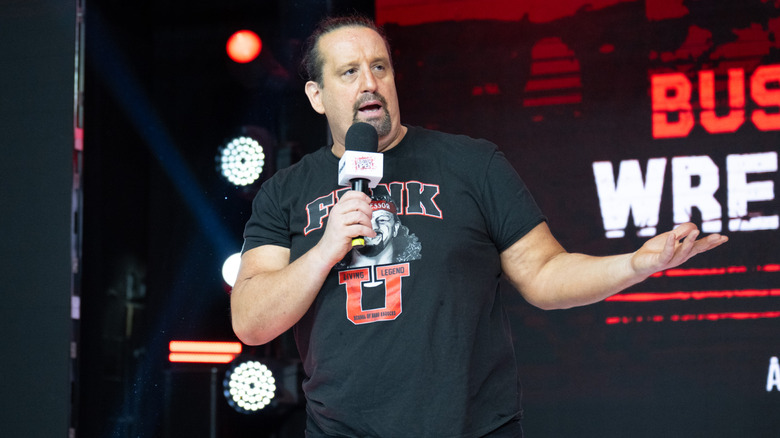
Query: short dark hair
x,y
311,64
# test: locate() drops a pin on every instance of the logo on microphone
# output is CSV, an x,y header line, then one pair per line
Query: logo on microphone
x,y
365,162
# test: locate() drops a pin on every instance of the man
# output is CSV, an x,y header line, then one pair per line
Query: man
x,y
434,357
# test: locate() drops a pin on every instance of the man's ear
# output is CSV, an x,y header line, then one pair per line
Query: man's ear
x,y
315,96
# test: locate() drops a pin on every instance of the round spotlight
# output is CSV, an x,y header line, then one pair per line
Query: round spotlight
x,y
244,46
249,386
230,268
241,160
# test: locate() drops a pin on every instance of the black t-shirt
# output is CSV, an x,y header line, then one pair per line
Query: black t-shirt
x,y
411,339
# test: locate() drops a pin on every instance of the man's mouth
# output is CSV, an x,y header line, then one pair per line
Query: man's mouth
x,y
371,108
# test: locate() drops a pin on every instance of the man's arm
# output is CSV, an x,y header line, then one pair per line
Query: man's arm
x,y
550,278
271,294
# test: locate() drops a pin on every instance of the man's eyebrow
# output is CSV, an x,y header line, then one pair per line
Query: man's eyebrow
x,y
383,59
343,65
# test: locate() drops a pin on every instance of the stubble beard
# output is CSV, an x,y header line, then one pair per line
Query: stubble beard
x,y
383,124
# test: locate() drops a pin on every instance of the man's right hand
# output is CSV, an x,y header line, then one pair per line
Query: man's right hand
x,y
349,218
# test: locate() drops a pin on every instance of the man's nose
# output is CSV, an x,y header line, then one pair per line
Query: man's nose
x,y
367,81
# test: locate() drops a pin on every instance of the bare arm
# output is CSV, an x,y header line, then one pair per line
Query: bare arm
x,y
271,294
550,278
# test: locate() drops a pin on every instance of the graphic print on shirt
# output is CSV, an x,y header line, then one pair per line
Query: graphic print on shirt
x,y
374,283
410,198
376,269
373,274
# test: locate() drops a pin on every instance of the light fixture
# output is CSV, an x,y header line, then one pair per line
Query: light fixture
x,y
249,386
203,351
241,160
263,386
244,46
230,268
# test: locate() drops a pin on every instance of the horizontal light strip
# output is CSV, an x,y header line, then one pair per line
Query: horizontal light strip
x,y
648,297
205,347
612,320
697,272
703,272
201,357
203,352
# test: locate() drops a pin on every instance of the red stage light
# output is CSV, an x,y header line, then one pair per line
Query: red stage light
x,y
244,46
203,352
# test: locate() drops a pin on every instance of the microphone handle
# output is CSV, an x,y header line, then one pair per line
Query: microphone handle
x,y
360,185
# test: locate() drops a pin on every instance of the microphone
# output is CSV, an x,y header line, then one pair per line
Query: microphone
x,y
361,166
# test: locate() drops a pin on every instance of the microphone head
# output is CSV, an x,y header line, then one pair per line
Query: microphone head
x,y
361,137
361,159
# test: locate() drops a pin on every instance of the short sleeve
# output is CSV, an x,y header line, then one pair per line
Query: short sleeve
x,y
511,210
268,225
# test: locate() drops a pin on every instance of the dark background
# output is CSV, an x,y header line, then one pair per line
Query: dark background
x,y
39,199
150,221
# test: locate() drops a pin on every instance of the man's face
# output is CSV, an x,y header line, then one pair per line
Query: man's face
x,y
386,227
357,85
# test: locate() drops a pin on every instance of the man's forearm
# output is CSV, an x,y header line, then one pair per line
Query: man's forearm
x,y
571,280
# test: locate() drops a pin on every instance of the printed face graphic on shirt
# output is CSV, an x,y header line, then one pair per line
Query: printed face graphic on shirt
x,y
385,225
393,241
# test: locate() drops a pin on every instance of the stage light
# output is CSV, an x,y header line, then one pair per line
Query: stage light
x,y
244,46
241,160
230,268
203,351
265,386
249,386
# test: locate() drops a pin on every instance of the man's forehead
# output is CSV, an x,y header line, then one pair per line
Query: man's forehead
x,y
348,44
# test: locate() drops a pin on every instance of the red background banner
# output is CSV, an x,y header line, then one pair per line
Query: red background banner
x,y
689,87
